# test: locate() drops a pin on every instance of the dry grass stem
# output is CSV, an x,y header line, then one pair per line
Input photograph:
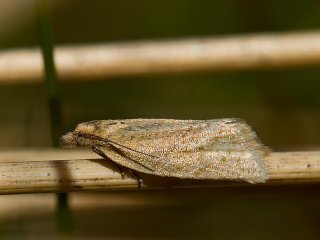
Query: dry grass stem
x,y
79,174
141,58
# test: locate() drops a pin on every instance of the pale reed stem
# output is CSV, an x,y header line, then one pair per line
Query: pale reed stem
x,y
78,173
261,51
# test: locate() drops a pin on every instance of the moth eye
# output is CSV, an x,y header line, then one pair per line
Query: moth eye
x,y
81,141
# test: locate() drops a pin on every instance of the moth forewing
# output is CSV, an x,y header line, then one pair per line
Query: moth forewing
x,y
196,149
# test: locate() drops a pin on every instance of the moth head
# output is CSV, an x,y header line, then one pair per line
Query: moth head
x,y
86,134
75,139
69,140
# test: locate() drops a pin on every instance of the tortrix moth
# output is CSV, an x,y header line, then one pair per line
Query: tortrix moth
x,y
224,149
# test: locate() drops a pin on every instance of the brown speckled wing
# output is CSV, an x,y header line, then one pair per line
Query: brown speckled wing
x,y
210,149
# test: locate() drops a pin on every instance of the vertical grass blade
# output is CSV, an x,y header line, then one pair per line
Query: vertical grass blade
x,y
46,42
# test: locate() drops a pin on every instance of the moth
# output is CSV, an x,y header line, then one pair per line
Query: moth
x,y
222,149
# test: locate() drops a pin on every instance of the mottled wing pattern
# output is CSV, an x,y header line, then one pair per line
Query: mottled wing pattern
x,y
208,149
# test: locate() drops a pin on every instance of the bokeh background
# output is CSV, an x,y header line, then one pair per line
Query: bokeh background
x,y
282,105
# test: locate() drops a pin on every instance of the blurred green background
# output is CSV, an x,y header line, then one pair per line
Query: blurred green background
x,y
283,106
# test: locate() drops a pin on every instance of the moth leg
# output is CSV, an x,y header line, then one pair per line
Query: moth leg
x,y
139,179
98,151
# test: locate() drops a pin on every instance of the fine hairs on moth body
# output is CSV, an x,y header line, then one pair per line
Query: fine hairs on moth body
x,y
221,149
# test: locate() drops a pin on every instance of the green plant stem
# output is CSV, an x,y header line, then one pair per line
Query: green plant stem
x,y
46,41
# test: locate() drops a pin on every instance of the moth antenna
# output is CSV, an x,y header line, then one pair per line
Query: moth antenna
x,y
97,150
107,141
120,152
131,149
